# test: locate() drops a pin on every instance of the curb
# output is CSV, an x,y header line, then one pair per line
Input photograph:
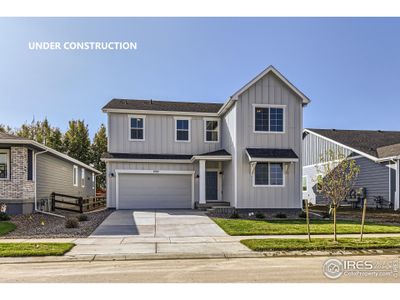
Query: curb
x,y
176,256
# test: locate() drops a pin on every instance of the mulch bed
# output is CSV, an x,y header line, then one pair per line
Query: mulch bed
x,y
251,215
39,225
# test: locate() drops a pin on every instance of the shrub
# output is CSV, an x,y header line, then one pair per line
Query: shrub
x,y
280,215
302,214
260,215
82,218
235,215
71,223
326,215
4,216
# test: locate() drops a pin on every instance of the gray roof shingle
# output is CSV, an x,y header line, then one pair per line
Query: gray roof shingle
x,y
271,153
376,143
156,105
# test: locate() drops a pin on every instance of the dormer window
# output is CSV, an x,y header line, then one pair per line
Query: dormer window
x,y
269,118
182,130
136,128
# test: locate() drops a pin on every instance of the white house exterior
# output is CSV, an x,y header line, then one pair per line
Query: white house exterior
x,y
245,152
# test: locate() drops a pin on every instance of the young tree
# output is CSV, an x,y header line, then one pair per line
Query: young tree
x,y
99,147
77,141
338,177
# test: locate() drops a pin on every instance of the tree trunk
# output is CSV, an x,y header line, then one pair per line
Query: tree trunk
x,y
334,223
363,218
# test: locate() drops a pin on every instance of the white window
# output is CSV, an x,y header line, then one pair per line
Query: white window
x,y
82,177
137,128
75,176
268,174
93,181
211,130
269,118
305,184
4,164
182,130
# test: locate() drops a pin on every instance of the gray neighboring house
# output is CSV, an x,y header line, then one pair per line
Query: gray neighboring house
x,y
376,152
244,153
30,172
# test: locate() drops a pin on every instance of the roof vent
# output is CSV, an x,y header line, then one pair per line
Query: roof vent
x,y
379,130
151,101
333,129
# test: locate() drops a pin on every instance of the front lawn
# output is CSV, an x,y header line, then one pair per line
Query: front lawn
x,y
266,227
321,244
34,249
6,227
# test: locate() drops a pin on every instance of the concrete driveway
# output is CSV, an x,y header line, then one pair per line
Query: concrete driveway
x,y
158,224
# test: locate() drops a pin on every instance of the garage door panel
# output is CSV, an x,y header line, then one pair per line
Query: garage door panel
x,y
139,191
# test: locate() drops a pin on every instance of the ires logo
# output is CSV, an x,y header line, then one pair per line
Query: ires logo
x,y
334,268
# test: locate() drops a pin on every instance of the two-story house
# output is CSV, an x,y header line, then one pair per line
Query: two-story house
x,y
245,152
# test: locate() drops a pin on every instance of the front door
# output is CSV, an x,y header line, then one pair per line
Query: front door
x,y
211,185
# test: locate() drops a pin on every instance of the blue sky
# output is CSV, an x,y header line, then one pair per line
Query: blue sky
x,y
349,68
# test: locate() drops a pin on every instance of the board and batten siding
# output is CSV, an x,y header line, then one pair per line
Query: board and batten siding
x,y
113,166
314,147
269,90
56,175
159,136
228,128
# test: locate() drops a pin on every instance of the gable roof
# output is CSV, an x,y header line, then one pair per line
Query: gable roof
x,y
6,138
375,144
157,105
123,105
272,69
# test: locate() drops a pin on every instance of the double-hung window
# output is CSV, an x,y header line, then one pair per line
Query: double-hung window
x,y
211,130
136,128
4,164
75,176
268,174
82,177
269,118
182,130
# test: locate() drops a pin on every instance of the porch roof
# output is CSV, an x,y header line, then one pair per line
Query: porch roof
x,y
219,155
271,154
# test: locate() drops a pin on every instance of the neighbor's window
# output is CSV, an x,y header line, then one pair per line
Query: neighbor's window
x,y
30,164
182,133
75,176
137,128
4,164
268,174
268,119
93,181
83,177
304,183
212,130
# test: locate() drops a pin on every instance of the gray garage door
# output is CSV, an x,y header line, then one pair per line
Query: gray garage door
x,y
155,191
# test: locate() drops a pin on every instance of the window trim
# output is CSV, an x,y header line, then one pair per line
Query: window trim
x,y
302,183
75,174
130,117
269,176
269,118
93,181
8,153
83,179
189,129
205,129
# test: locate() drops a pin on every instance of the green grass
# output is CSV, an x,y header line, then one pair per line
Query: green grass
x,y
34,249
6,227
321,244
266,227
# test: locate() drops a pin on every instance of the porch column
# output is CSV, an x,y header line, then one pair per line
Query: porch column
x,y
397,194
202,181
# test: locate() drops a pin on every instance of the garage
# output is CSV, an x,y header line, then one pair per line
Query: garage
x,y
152,190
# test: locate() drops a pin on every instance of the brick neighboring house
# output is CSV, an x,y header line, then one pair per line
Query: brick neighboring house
x,y
30,172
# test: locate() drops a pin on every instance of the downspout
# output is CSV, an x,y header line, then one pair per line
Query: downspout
x,y
36,210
